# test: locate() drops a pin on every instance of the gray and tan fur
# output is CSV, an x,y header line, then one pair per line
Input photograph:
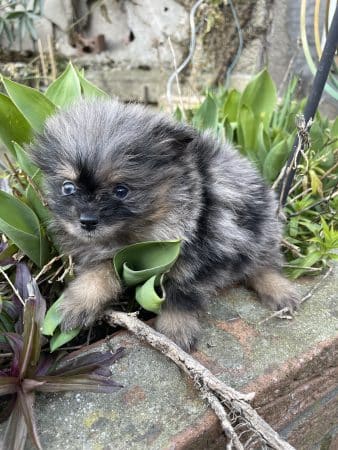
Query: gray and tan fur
x,y
142,176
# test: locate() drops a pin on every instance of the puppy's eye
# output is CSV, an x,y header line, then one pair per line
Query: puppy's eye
x,y
121,191
68,188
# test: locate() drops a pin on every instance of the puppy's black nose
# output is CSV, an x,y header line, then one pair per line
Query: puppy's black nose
x,y
88,221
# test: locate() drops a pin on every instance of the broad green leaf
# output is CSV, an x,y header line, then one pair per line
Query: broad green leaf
x,y
24,161
147,295
247,132
20,224
228,129
88,88
65,89
139,262
51,323
13,125
6,324
275,160
316,136
62,337
316,184
35,199
260,147
206,117
334,129
8,252
32,104
308,261
293,226
231,105
52,319
260,96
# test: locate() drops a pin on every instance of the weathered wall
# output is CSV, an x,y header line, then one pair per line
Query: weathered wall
x,y
137,60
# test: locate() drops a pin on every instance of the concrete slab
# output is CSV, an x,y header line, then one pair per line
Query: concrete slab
x,y
291,365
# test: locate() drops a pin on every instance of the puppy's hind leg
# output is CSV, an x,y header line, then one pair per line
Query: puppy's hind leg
x,y
179,319
274,290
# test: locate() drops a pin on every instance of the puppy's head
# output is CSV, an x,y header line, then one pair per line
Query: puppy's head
x,y
113,172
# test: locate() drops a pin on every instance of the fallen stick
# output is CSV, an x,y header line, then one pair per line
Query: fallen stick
x,y
233,401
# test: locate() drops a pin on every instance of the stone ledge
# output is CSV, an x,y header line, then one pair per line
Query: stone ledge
x,y
291,365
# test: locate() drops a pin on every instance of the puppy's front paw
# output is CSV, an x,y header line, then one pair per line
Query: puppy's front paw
x,y
74,312
87,295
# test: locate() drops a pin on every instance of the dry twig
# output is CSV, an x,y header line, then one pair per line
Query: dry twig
x,y
233,400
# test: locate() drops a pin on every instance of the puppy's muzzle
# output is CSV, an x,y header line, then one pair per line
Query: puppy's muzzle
x,y
88,221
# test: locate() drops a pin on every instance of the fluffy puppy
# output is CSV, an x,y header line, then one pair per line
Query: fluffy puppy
x,y
117,174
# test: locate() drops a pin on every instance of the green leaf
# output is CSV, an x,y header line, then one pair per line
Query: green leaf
x,y
206,117
247,132
307,261
231,105
260,145
8,252
88,88
62,337
66,88
24,161
334,129
13,125
316,184
35,200
146,262
228,130
260,96
52,319
137,263
32,104
147,294
20,224
50,324
275,160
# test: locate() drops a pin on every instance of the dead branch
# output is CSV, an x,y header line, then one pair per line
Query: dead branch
x,y
216,405
233,400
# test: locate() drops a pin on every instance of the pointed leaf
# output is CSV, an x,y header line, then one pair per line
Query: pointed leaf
x,y
206,117
87,363
36,201
66,89
32,104
13,125
260,96
231,105
53,318
8,385
275,160
16,430
51,322
22,278
60,338
26,402
89,383
247,132
24,161
20,224
89,89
